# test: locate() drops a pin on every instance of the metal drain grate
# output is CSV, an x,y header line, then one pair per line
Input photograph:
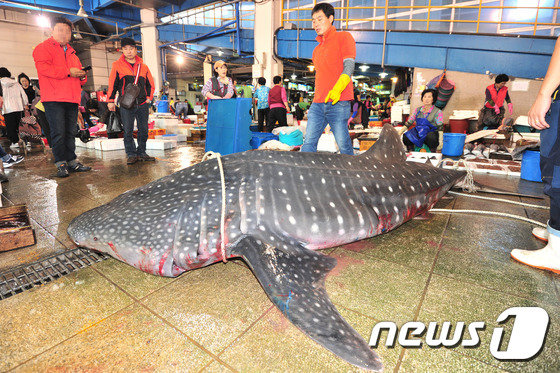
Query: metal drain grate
x,y
19,279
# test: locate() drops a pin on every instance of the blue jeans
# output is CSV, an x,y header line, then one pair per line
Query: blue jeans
x,y
140,113
63,123
321,114
550,162
3,155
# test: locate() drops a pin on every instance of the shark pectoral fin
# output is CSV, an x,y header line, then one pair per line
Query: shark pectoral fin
x,y
295,282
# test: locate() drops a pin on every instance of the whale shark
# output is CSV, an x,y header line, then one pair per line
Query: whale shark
x,y
280,207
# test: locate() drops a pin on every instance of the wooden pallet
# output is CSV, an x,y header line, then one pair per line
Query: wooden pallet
x,y
15,229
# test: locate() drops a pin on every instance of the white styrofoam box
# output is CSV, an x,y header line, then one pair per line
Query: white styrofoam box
x,y
110,144
327,143
464,114
165,122
176,137
157,144
421,157
522,120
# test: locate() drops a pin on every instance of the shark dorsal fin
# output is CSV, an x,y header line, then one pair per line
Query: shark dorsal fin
x,y
389,147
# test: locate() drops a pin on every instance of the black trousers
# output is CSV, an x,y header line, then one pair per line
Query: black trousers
x,y
44,123
12,125
262,115
431,140
62,118
277,114
550,162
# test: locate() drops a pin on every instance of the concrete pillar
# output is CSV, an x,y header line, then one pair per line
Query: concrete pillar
x,y
208,68
267,20
150,51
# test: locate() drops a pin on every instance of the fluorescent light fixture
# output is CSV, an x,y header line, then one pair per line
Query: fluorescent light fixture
x,y
311,68
364,68
394,79
43,21
286,80
383,75
294,76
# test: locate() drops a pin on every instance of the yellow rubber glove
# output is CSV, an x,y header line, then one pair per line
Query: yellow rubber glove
x,y
334,93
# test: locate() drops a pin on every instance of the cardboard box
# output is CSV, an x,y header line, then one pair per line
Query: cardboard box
x,y
15,229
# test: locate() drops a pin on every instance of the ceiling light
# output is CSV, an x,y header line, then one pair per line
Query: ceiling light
x,y
383,75
43,21
311,68
394,79
220,52
294,76
286,80
81,11
180,59
364,68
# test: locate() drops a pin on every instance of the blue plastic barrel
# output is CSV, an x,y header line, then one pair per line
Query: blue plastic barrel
x,y
453,144
531,166
163,106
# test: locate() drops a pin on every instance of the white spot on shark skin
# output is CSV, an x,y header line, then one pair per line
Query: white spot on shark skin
x,y
332,204
313,208
418,204
364,189
292,220
340,219
288,207
351,201
391,189
323,180
341,232
314,228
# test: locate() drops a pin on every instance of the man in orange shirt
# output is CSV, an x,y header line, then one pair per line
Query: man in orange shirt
x,y
334,60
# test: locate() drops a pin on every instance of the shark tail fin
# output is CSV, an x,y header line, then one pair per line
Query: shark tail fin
x,y
389,146
294,279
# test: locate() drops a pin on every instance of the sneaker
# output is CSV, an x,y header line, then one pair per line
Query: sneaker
x,y
15,145
62,171
131,160
78,167
146,158
3,177
14,159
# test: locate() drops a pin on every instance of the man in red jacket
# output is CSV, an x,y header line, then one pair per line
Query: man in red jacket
x,y
61,78
129,69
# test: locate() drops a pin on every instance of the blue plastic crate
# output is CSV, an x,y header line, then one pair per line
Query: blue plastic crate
x,y
260,138
227,128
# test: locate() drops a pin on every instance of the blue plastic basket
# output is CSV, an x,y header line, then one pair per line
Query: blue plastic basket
x,y
163,106
453,144
260,138
531,166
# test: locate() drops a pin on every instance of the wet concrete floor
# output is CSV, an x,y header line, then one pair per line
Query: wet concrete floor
x,y
112,317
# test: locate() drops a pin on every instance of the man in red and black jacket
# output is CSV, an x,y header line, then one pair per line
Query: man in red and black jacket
x,y
61,78
124,72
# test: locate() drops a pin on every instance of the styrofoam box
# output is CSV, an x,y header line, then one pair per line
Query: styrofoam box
x,y
176,137
166,122
88,145
109,145
157,144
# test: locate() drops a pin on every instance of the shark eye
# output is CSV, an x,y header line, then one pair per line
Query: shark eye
x,y
95,238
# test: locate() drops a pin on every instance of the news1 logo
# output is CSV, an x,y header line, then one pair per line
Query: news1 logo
x,y
526,340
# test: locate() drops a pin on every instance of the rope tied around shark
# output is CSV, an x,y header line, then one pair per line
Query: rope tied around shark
x,y
218,156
